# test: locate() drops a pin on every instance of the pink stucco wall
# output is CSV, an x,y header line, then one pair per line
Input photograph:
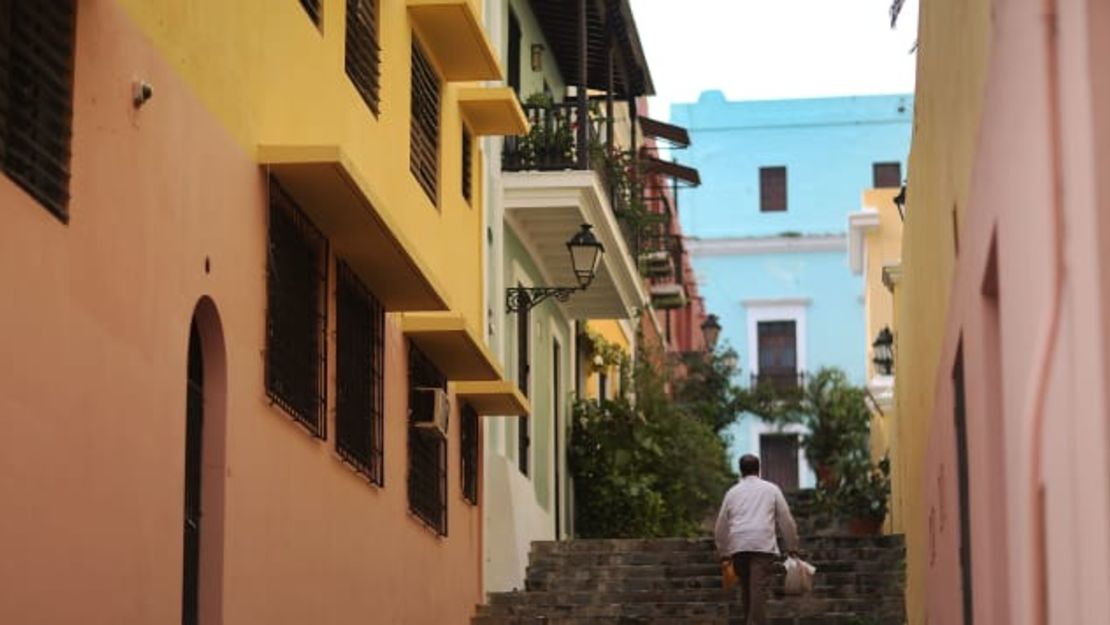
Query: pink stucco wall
x,y
1036,362
167,211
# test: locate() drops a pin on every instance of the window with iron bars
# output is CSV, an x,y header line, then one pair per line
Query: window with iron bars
x,y
312,7
470,436
427,451
296,313
424,134
363,52
36,98
359,376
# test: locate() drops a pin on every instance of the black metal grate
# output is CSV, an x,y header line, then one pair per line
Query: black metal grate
x,y
467,165
470,437
36,98
360,357
312,7
886,175
296,313
424,151
363,53
427,451
772,189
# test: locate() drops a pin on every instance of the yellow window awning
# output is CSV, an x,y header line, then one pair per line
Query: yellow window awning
x,y
446,338
492,111
498,398
325,185
452,34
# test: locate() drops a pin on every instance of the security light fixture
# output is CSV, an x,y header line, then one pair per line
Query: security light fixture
x,y
900,202
882,351
711,330
585,256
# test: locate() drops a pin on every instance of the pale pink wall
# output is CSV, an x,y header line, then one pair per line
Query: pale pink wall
x,y
94,326
1037,96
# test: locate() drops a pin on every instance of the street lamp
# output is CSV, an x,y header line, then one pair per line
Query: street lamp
x,y
711,330
882,351
585,256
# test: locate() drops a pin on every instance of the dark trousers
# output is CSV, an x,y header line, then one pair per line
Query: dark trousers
x,y
753,569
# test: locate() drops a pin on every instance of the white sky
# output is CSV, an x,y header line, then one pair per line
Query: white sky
x,y
770,49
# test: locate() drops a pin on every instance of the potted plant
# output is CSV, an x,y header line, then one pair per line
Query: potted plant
x,y
837,421
863,495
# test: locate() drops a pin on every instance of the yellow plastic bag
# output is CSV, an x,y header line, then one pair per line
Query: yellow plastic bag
x,y
799,576
728,574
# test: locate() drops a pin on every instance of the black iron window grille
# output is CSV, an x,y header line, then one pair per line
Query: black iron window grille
x,y
470,436
312,7
296,313
467,165
359,381
363,52
424,151
427,451
772,189
36,98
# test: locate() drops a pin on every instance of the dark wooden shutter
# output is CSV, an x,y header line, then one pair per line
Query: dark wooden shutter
x,y
779,459
523,370
36,97
424,151
778,353
363,53
467,165
886,175
470,437
772,189
514,52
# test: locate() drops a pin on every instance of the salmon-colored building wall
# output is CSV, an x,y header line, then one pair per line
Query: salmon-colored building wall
x,y
167,208
1028,310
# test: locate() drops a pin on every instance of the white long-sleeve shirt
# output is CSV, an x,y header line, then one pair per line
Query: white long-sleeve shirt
x,y
749,514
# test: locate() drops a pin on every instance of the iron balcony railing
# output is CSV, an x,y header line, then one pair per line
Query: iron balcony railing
x,y
552,142
782,381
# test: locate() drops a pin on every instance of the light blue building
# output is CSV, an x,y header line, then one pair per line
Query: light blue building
x,y
767,232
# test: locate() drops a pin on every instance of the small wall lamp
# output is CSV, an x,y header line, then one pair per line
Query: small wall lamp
x,y
537,57
711,330
585,255
882,351
900,202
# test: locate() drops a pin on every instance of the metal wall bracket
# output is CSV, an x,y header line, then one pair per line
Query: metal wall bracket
x,y
520,299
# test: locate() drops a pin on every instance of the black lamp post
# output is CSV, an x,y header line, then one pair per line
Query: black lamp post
x,y
882,352
900,202
585,255
711,330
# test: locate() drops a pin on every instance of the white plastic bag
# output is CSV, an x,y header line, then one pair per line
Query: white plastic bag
x,y
799,576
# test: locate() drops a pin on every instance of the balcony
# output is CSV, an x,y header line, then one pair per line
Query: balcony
x,y
550,189
783,382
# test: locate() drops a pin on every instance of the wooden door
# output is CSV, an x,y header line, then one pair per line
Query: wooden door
x,y
779,459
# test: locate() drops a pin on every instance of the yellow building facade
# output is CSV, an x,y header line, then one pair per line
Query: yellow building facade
x,y
954,41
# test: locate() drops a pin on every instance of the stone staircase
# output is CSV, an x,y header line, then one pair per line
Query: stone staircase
x,y
671,581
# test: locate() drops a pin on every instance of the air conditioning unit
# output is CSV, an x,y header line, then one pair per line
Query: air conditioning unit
x,y
429,409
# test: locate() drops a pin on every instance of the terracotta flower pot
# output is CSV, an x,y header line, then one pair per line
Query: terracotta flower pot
x,y
865,526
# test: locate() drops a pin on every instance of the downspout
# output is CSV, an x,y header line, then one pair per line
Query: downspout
x,y
1038,537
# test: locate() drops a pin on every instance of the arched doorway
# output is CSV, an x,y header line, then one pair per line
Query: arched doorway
x,y
194,456
205,469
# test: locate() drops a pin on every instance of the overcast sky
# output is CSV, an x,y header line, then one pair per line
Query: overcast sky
x,y
769,49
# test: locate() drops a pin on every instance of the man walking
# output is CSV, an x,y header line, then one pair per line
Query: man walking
x,y
746,533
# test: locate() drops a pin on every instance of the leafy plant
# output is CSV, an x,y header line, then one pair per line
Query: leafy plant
x,y
864,489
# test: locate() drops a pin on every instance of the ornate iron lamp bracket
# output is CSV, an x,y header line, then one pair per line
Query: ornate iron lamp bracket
x,y
518,299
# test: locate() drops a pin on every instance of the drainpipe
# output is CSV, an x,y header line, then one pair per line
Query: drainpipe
x,y
1047,346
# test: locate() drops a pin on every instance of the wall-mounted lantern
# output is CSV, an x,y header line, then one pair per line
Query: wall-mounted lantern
x,y
537,57
900,202
882,352
711,330
585,256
